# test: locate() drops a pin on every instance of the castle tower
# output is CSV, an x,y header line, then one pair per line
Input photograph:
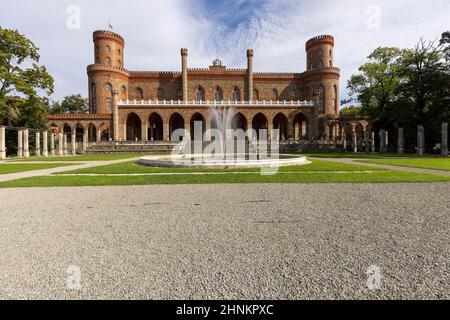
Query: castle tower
x,y
107,75
321,77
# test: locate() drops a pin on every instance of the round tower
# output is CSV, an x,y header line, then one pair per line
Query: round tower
x,y
319,52
321,77
107,76
108,48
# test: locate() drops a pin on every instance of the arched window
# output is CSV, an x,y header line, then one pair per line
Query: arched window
x,y
123,93
119,63
160,93
179,93
320,64
255,95
292,93
236,94
218,94
108,88
139,94
93,88
200,94
108,61
94,105
275,94
321,98
118,52
108,104
108,49
320,52
97,60
331,63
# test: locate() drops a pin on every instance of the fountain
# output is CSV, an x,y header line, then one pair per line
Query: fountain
x,y
224,147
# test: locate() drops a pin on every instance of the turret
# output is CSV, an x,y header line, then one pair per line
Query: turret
x,y
322,78
108,48
107,74
250,74
319,52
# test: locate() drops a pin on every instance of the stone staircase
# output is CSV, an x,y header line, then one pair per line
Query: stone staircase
x,y
163,147
105,147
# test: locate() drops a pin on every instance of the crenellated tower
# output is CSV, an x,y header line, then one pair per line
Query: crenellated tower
x,y
322,78
107,76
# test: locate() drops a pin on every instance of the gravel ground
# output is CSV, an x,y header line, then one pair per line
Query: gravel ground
x,y
226,241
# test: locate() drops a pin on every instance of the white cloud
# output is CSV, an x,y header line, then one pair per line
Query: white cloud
x,y
155,31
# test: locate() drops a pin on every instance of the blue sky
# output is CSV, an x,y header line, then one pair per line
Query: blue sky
x,y
276,29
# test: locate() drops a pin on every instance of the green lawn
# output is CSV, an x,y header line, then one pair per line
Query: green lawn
x,y
81,158
317,172
355,155
438,163
13,168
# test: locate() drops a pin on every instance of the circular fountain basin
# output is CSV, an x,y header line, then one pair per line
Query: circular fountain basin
x,y
200,161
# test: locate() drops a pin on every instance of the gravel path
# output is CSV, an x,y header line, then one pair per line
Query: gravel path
x,y
226,241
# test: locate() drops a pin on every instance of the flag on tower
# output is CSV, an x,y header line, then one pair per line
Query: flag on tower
x,y
110,27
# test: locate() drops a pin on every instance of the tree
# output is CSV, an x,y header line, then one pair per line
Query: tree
x,y
21,88
71,104
445,41
405,88
352,111
376,83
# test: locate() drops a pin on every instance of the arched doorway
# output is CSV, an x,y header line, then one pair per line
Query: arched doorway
x,y
67,130
280,122
79,133
239,122
301,127
197,117
155,128
92,133
133,127
176,122
259,123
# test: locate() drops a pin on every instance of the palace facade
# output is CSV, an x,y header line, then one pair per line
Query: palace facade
x,y
147,106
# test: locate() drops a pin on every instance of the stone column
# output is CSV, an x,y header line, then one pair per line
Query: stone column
x,y
445,139
420,140
372,143
327,132
382,136
2,143
45,143
52,143
166,131
26,148
144,131
65,144
115,117
344,138
401,142
250,131
355,140
184,75
207,136
250,74
187,131
19,143
38,144
366,140
60,144
98,137
85,139
269,131
74,141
